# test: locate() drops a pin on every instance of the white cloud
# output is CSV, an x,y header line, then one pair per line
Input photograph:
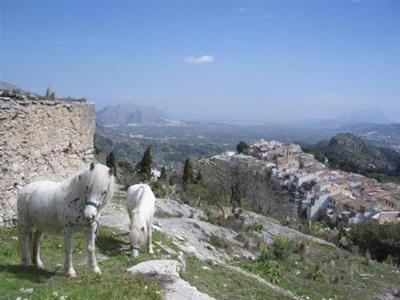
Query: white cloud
x,y
203,59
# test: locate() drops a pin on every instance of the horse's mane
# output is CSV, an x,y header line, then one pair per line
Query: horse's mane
x,y
91,178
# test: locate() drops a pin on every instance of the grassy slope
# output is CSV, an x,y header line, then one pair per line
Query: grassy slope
x,y
317,272
114,283
222,283
325,272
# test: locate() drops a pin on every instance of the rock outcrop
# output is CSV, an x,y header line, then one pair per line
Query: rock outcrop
x,y
176,288
208,242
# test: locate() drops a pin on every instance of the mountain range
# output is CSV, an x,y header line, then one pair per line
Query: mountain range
x,y
353,117
129,114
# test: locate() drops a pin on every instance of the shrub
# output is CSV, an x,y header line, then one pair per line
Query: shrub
x,y
256,227
280,249
267,269
377,240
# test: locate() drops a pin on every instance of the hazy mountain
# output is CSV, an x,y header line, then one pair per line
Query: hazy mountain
x,y
365,116
8,86
350,118
385,135
351,153
130,115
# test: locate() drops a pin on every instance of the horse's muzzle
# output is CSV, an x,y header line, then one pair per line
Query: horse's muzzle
x,y
90,213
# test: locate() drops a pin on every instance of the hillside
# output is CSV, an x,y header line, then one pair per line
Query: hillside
x,y
384,135
130,115
351,153
365,116
196,259
5,86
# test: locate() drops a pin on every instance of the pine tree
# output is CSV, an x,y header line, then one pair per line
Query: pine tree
x,y
163,174
110,162
145,165
188,176
241,147
199,178
48,92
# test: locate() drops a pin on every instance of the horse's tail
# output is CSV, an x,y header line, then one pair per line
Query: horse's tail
x,y
19,228
19,245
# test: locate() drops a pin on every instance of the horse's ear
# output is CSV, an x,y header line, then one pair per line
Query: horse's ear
x,y
91,166
142,229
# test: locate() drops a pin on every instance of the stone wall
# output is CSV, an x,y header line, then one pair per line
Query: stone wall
x,y
41,139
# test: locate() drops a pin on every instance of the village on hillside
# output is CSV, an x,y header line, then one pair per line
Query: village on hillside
x,y
334,197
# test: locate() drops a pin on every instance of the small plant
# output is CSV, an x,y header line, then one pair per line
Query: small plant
x,y
281,247
316,274
256,227
266,269
211,218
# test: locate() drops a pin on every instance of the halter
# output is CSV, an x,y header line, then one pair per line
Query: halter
x,y
135,248
96,205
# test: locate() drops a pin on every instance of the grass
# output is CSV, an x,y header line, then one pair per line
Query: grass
x,y
31,283
326,272
313,270
223,283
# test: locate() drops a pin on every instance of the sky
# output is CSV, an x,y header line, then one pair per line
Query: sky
x,y
232,60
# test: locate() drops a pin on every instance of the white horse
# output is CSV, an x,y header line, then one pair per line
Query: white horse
x,y
64,208
140,205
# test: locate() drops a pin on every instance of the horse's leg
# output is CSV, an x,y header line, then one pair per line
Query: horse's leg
x,y
90,244
36,249
25,237
68,267
149,233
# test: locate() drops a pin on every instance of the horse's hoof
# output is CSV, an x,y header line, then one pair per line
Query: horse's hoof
x,y
71,274
151,252
97,271
39,265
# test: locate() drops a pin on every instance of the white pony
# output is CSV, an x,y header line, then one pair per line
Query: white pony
x,y
64,208
140,205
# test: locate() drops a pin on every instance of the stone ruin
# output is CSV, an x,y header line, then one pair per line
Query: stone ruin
x,y
40,139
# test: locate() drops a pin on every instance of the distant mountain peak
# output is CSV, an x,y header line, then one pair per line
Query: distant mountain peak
x,y
129,114
362,116
5,86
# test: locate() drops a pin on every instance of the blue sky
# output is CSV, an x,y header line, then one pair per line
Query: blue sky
x,y
248,60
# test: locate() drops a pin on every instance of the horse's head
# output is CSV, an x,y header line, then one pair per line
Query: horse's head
x,y
137,232
99,189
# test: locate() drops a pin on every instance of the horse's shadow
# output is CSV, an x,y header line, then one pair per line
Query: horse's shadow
x,y
28,273
111,246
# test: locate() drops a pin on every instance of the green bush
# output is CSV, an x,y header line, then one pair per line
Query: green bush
x,y
280,249
268,269
380,240
256,227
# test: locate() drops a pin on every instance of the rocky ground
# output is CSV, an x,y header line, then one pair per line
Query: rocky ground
x,y
189,231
